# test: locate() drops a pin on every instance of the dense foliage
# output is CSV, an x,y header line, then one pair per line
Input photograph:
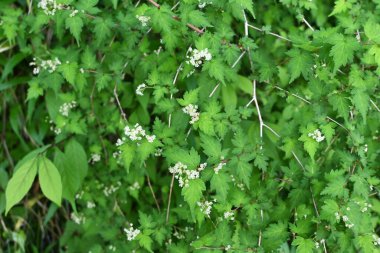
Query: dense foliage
x,y
198,125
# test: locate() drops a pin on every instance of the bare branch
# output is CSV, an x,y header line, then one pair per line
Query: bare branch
x,y
169,199
307,23
118,102
270,33
374,105
154,195
171,94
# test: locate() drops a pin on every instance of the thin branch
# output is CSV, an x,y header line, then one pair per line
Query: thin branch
x,y
293,94
270,33
299,161
118,103
374,105
307,23
154,195
3,137
336,122
262,124
314,203
169,199
191,26
171,94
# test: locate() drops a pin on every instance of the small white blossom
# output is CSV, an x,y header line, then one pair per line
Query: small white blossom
x,y
227,248
150,138
184,175
49,6
219,166
95,158
317,135
131,233
136,133
108,190
140,89
198,57
66,107
191,110
112,248
158,152
229,215
78,218
49,65
143,19
202,166
73,13
134,187
205,207
90,204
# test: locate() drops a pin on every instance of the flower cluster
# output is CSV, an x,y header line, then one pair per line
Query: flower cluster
x,y
135,133
49,65
112,248
50,6
66,107
143,19
184,175
317,135
140,89
131,233
109,190
95,158
376,240
191,110
220,165
229,215
158,152
134,187
347,221
206,207
90,205
78,218
198,57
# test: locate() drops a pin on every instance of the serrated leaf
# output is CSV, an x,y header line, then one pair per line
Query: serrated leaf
x,y
193,193
343,50
304,245
371,29
220,183
341,6
69,71
360,99
75,24
301,62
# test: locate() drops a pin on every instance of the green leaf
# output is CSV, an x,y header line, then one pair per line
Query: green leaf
x,y
189,158
341,6
102,29
328,131
73,167
128,153
34,90
343,50
304,245
146,242
337,185
220,183
75,25
69,71
190,97
371,29
103,81
244,171
361,101
211,147
20,182
340,104
193,193
301,62
50,180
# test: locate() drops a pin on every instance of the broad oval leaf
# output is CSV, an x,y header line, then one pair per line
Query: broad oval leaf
x,y
20,183
50,180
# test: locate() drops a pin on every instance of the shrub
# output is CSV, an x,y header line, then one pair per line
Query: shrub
x,y
210,126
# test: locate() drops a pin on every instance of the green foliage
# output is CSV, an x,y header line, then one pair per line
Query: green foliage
x,y
189,126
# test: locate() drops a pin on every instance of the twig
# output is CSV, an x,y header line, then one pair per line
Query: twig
x,y
374,105
314,203
293,94
154,195
270,33
169,199
191,26
3,133
336,122
307,23
299,161
262,124
118,103
171,94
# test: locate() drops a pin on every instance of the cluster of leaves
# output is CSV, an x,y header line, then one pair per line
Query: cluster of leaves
x,y
316,66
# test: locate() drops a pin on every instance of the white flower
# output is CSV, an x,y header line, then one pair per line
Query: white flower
x,y
140,89
191,110
205,207
135,186
131,233
78,218
158,152
111,189
90,204
198,57
95,158
66,107
202,166
49,65
73,13
219,166
143,19
150,138
49,6
227,248
317,135
229,215
184,175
